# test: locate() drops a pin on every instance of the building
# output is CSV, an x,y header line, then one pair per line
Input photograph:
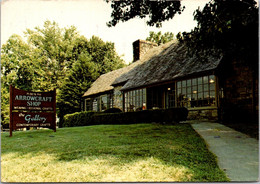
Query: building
x,y
167,76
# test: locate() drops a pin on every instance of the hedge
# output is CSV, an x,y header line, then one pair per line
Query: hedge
x,y
172,115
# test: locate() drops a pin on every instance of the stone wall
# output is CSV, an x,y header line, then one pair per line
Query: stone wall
x,y
207,113
240,101
118,98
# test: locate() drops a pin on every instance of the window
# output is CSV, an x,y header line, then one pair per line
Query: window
x,y
170,96
155,97
196,92
89,104
103,102
135,99
100,103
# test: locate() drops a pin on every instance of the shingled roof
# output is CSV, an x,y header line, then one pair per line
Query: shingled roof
x,y
104,82
160,64
165,63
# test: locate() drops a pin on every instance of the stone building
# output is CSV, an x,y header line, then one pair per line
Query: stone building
x,y
167,76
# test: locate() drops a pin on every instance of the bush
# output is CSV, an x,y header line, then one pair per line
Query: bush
x,y
172,115
78,119
112,110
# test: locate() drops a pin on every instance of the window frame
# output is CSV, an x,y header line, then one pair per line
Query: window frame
x,y
197,92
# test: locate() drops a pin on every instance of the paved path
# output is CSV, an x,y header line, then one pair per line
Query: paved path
x,y
238,154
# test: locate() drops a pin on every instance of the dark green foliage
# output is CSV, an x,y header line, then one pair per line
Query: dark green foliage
x,y
157,10
78,119
147,116
112,110
226,27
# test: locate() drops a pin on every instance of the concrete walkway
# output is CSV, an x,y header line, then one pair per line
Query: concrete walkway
x,y
237,153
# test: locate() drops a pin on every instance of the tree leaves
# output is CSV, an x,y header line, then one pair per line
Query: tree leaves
x,y
160,38
54,57
226,27
157,11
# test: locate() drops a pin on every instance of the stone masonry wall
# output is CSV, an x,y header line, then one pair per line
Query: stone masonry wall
x,y
240,94
140,47
203,114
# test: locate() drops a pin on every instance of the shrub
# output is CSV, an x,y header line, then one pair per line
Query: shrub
x,y
78,119
112,110
172,115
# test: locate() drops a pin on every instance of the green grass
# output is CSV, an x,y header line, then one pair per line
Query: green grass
x,y
123,153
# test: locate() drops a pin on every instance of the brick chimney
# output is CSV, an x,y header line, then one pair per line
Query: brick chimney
x,y
140,47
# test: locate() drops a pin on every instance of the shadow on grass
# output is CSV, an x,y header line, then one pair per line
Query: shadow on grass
x,y
171,145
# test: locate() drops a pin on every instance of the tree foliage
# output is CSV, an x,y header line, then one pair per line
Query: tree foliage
x,y
160,38
157,10
53,57
226,27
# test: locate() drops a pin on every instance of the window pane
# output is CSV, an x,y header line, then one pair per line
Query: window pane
x,y
179,84
183,83
212,94
205,79
144,98
179,92
200,80
199,88
189,82
183,91
194,89
206,87
206,95
194,82
189,90
194,96
212,86
211,79
130,97
200,96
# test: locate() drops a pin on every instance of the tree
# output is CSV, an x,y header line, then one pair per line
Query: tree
x,y
83,72
94,57
160,38
157,10
46,59
226,27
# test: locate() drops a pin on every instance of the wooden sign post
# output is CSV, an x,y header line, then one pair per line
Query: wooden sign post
x,y
32,109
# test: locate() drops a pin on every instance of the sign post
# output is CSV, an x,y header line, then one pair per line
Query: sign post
x,y
32,109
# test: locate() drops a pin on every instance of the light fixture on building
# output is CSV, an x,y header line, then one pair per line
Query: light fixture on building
x,y
194,92
169,89
211,81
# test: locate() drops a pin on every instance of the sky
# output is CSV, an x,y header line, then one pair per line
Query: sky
x,y
90,18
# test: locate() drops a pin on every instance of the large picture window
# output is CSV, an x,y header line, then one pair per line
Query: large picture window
x,y
196,92
135,99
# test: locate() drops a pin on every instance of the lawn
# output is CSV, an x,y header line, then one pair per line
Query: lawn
x,y
107,153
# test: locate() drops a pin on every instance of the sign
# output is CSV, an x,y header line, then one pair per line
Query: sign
x,y
32,119
32,109
38,101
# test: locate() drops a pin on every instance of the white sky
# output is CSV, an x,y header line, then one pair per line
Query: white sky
x,y
90,17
